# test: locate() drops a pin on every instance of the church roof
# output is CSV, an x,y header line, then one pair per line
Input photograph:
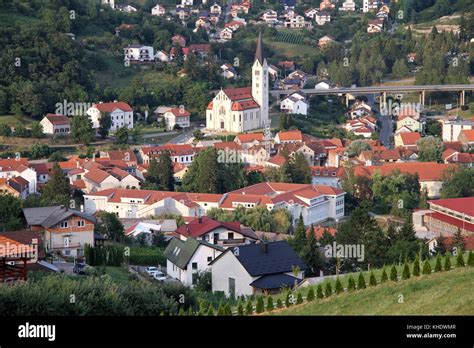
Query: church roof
x,y
244,105
241,93
259,49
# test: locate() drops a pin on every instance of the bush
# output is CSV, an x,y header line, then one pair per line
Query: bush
x,y
288,299
105,255
393,274
406,271
144,256
447,262
351,285
240,309
310,296
470,258
438,265
260,305
339,288
426,267
319,291
372,280
384,276
220,310
270,306
249,308
210,311
361,282
227,309
328,290
299,298
416,266
460,260
279,303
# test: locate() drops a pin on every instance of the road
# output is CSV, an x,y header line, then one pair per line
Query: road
x,y
385,131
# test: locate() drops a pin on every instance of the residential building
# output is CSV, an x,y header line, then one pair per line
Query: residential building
x,y
452,128
407,140
270,17
16,186
288,137
177,117
375,25
326,40
466,137
121,115
327,176
297,22
158,10
180,153
139,53
295,103
256,269
323,17
348,5
410,122
18,167
55,124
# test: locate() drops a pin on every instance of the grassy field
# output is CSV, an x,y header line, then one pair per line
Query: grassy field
x,y
118,274
12,120
445,293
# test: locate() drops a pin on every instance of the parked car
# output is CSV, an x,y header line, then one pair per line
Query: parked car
x,y
151,270
160,276
80,268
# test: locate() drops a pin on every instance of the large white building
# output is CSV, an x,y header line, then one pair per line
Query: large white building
x,y
139,53
452,128
242,109
121,114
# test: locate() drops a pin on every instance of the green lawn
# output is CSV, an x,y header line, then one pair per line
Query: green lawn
x,y
12,120
118,274
444,293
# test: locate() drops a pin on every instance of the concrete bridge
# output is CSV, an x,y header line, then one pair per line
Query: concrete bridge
x,y
383,91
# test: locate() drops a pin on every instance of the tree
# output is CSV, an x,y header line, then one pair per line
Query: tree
x,y
105,122
311,254
406,244
240,309
109,225
458,182
393,274
210,311
361,282
426,267
416,266
260,305
310,296
430,149
10,210
5,130
319,291
198,135
447,262
400,68
57,191
372,280
458,241
279,303
81,129
288,299
38,150
299,241
338,287
270,306
249,308
384,277
220,309
328,290
37,130
460,260
356,147
406,271
351,284
438,266
299,298
136,134
122,135
470,258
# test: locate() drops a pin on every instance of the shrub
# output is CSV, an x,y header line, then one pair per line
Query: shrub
x,y
143,256
339,288
288,299
190,312
279,303
270,306
260,305
181,312
393,274
328,290
310,296
220,310
249,308
299,298
351,285
240,309
438,265
447,262
372,280
460,260
406,271
210,311
227,309
319,291
416,266
384,276
426,267
470,258
361,282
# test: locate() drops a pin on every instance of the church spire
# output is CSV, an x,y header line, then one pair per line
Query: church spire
x,y
259,50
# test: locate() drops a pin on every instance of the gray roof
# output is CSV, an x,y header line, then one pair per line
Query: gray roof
x,y
51,216
180,252
259,50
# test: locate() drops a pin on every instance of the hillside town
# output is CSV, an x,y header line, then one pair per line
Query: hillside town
x,y
226,150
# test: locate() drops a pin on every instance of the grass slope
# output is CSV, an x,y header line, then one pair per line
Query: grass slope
x,y
444,293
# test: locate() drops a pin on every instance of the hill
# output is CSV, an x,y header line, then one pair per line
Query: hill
x,y
445,293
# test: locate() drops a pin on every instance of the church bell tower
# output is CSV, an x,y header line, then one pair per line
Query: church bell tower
x,y
260,82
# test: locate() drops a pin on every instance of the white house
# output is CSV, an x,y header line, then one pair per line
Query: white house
x,y
186,2
120,112
270,17
162,56
110,3
177,117
311,12
228,71
452,128
55,124
226,33
139,53
289,137
256,269
296,22
348,5
126,8
323,17
295,104
158,10
216,9
185,259
18,167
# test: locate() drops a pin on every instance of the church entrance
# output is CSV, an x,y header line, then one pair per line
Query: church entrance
x,y
222,124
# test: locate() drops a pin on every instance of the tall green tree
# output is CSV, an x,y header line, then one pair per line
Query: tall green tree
x,y
57,190
109,225
81,129
10,210
105,122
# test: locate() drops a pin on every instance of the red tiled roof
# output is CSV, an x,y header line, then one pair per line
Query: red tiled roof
x,y
228,145
201,226
241,93
110,107
455,145
174,149
179,112
120,155
200,47
278,160
452,221
463,205
427,171
468,134
410,138
249,137
319,231
96,175
57,119
290,135
244,105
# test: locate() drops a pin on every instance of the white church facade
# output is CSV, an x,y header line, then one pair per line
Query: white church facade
x,y
242,109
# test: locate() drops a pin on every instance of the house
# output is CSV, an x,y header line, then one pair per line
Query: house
x,y
449,244
326,40
228,71
16,186
311,12
216,9
55,124
110,3
466,137
179,39
297,22
18,167
348,5
187,2
327,5
326,176
273,72
407,140
97,179
295,103
247,140
120,112
117,155
185,259
235,24
270,17
430,174
162,56
180,153
323,85
177,117
152,228
66,231
256,269
363,126
370,5
183,13
323,17
288,137
319,231
375,25
383,12
410,122
158,10
126,8
202,50
453,156
286,65
225,234
453,127
226,33
359,109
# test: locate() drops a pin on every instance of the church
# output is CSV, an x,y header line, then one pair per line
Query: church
x,y
242,109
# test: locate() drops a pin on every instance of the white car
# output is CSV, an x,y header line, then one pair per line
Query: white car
x,y
160,276
152,270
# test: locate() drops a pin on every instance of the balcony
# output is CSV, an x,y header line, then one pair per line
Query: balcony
x,y
230,241
68,246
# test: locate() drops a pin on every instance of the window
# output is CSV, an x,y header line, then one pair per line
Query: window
x,y
194,265
81,223
67,252
230,235
64,224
